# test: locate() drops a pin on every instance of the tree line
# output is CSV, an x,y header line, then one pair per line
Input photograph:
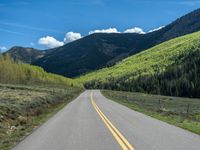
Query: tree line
x,y
15,72
180,79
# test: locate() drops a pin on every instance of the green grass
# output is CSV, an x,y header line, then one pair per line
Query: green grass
x,y
23,108
181,112
146,62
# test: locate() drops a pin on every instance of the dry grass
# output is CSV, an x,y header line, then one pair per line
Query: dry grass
x,y
22,108
182,112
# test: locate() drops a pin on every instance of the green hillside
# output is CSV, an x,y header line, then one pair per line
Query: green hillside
x,y
175,53
19,73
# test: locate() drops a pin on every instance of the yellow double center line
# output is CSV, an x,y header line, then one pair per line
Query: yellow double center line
x,y
125,145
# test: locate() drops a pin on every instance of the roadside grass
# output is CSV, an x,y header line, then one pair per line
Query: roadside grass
x,y
23,108
181,112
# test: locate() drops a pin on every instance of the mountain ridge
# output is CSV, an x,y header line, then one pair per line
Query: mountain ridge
x,y
25,54
100,50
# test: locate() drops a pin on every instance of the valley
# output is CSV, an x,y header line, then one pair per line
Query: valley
x,y
109,89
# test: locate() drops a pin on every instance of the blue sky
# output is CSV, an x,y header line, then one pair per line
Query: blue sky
x,y
45,23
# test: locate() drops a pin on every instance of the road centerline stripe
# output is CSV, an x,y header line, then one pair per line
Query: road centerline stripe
x,y
125,145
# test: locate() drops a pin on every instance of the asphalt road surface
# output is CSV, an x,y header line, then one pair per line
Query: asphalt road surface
x,y
92,122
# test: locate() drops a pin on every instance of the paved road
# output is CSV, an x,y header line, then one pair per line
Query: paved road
x,y
92,122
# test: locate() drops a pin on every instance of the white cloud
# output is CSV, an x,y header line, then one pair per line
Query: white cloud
x,y
50,42
135,30
109,30
156,29
72,36
3,48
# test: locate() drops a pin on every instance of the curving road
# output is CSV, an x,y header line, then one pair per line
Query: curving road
x,y
92,122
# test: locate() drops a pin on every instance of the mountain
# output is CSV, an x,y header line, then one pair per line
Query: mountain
x,y
99,50
171,68
25,54
89,53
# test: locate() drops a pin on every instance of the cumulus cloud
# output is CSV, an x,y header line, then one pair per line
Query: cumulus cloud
x,y
3,48
156,29
50,42
109,30
72,36
135,30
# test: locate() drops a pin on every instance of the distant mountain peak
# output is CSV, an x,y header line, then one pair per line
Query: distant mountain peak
x,y
25,54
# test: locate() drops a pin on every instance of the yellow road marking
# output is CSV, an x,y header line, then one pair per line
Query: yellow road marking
x,y
125,145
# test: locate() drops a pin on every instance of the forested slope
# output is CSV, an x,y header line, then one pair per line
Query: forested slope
x,y
171,68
